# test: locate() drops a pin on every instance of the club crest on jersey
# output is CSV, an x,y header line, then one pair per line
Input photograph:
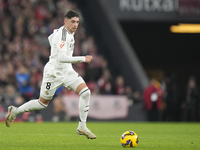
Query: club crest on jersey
x,y
47,92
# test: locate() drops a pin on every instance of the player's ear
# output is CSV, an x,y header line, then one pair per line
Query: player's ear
x,y
65,20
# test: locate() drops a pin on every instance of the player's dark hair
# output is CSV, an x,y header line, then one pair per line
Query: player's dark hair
x,y
70,14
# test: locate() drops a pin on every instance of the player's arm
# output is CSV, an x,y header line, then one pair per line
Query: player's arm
x,y
64,58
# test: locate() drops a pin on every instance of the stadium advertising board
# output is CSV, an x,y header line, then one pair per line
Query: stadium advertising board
x,y
189,7
148,5
101,107
155,10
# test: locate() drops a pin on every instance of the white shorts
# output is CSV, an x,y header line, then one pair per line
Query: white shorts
x,y
51,83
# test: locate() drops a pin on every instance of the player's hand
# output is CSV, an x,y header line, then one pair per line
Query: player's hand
x,y
88,58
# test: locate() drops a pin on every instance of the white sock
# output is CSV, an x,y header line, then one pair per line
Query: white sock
x,y
82,125
30,106
84,101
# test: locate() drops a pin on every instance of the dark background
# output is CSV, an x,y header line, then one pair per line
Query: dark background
x,y
159,50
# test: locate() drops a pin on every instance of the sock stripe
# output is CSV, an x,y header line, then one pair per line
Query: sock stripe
x,y
83,91
42,104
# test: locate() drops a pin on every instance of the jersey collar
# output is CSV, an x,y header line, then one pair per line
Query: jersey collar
x,y
68,31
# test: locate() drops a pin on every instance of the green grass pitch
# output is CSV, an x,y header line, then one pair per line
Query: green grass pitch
x,y
62,136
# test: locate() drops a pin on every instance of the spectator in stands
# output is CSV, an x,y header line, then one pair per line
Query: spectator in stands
x,y
152,97
133,96
191,101
11,97
35,80
104,83
173,99
3,78
118,87
23,80
87,45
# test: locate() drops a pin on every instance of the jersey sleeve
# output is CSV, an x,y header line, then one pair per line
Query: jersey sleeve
x,y
62,57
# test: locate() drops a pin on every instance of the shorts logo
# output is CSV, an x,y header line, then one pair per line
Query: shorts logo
x,y
47,92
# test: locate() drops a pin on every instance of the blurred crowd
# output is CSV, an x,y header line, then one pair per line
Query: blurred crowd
x,y
24,47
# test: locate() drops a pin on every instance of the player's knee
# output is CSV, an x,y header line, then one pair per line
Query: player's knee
x,y
85,93
44,101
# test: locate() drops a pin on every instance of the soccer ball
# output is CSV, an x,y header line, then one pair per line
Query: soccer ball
x,y
129,139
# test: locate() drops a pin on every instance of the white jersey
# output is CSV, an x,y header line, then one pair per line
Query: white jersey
x,y
58,71
62,46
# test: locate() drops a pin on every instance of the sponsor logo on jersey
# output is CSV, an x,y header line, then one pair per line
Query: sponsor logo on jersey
x,y
61,45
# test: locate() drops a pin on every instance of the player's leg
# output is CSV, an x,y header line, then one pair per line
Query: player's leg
x,y
84,102
35,104
31,105
81,88
46,93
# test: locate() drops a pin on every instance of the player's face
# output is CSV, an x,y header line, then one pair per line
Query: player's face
x,y
71,24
